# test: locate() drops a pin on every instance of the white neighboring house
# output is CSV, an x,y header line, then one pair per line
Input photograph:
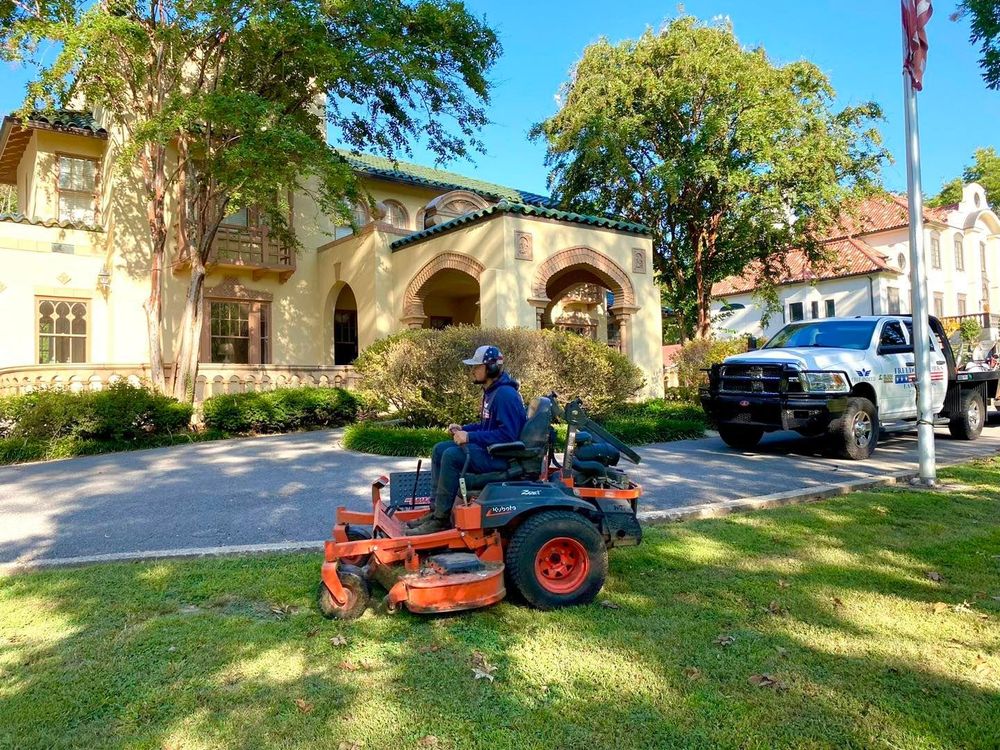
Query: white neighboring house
x,y
868,272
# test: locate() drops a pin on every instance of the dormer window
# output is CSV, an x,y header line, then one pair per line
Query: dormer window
x,y
76,189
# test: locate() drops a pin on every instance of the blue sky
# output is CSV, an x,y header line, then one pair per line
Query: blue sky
x,y
856,42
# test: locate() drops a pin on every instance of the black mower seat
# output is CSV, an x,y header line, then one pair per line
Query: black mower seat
x,y
525,456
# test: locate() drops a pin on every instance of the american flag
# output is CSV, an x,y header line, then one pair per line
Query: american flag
x,y
916,14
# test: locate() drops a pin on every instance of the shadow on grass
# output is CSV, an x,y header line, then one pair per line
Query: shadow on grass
x,y
832,601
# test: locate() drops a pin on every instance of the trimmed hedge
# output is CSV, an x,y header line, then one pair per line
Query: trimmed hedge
x,y
420,372
388,440
50,424
280,410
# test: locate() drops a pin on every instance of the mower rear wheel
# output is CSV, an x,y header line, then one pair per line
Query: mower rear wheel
x,y
557,559
353,581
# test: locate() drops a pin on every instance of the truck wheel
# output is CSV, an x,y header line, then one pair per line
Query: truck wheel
x,y
968,422
740,437
556,559
855,434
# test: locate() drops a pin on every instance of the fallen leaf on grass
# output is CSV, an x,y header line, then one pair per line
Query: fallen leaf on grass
x,y
312,633
350,745
304,705
281,611
939,607
783,584
965,609
766,681
429,741
837,603
775,608
351,666
782,651
338,640
692,673
725,640
609,604
429,649
933,575
481,668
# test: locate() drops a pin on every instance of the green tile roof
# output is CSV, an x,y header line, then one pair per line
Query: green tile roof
x,y
401,171
521,209
67,119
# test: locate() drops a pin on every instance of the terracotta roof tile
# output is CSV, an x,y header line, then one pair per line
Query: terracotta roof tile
x,y
848,257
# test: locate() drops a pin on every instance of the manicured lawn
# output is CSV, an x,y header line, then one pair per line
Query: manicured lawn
x,y
831,601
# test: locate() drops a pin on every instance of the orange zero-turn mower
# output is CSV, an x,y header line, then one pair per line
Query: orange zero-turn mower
x,y
537,527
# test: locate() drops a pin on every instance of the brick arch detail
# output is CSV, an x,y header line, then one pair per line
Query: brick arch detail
x,y
602,266
413,299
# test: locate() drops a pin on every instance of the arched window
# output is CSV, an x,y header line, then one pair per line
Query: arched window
x,y
396,215
420,219
360,214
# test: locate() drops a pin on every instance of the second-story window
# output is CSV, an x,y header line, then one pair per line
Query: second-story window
x,y
959,254
396,215
935,251
893,293
77,189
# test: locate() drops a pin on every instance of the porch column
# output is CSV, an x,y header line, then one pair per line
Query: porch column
x,y
540,304
624,315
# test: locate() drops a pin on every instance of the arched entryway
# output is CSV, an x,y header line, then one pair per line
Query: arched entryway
x,y
444,292
589,294
345,327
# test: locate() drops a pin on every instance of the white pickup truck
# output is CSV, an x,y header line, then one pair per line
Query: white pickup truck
x,y
845,378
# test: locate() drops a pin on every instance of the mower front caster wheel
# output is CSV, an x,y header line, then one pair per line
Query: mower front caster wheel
x,y
353,581
556,559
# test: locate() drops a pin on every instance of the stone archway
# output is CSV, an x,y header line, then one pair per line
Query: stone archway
x,y
422,285
570,268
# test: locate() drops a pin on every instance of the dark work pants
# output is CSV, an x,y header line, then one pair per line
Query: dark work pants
x,y
446,466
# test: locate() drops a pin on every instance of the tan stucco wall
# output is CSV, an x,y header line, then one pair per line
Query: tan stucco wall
x,y
302,306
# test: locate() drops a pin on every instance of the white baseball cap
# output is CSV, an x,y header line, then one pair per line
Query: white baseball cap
x,y
482,354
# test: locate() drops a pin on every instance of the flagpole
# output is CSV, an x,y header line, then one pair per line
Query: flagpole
x,y
918,291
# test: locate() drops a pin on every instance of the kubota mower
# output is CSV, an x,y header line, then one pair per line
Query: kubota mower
x,y
538,527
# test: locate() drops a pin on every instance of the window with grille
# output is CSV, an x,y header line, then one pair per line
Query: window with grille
x,y
62,331
935,251
77,189
959,255
239,332
961,304
396,214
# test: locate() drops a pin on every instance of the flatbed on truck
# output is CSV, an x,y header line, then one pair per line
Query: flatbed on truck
x,y
846,379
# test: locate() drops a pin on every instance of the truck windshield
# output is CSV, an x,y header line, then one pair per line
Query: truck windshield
x,y
840,334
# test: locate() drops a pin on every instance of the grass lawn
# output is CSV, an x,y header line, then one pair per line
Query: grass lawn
x,y
808,626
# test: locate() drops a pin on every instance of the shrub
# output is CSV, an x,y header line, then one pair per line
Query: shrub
x,y
419,372
388,440
280,410
699,354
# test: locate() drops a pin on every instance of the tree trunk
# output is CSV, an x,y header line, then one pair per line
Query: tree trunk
x,y
186,361
152,163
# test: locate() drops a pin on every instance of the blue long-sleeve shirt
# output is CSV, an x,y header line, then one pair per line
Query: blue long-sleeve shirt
x,y
502,416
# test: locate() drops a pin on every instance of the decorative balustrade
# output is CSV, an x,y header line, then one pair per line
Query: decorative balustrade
x,y
984,319
213,379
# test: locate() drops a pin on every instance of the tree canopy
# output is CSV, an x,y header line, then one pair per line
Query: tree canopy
x,y
728,157
984,18
985,169
227,103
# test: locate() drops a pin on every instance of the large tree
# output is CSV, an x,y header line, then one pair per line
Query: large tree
x,y
729,158
985,169
221,103
984,21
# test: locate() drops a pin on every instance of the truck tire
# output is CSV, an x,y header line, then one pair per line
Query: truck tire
x,y
855,433
968,422
740,437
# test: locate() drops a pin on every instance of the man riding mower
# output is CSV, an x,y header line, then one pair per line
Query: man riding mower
x,y
519,519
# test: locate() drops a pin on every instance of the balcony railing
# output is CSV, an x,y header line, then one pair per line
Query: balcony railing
x,y
590,294
249,248
984,319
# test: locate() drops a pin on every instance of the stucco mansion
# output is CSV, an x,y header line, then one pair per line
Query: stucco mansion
x,y
438,249
867,269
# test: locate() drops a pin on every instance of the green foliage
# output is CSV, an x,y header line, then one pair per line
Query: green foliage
x,y
714,147
655,421
280,410
984,17
970,331
700,354
420,372
985,169
391,440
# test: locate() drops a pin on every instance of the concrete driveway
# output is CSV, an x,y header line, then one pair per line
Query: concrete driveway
x,y
281,489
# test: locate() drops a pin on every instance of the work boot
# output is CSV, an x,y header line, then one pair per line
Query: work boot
x,y
413,523
428,525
